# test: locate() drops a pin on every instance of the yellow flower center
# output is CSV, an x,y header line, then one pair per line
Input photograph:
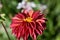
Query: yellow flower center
x,y
28,19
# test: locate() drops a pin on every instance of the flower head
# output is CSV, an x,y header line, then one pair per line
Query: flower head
x,y
26,23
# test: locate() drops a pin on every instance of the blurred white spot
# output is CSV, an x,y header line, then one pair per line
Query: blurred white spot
x,y
19,6
26,5
21,38
0,5
29,5
32,4
42,7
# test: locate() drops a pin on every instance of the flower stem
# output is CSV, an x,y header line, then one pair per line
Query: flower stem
x,y
5,30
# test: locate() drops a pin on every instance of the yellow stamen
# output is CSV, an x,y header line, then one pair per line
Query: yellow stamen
x,y
28,19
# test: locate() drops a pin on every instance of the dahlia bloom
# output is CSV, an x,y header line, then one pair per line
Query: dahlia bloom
x,y
26,23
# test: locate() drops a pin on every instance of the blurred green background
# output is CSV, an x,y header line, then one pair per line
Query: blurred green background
x,y
52,31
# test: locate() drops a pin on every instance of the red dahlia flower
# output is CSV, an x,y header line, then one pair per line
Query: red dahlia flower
x,y
30,23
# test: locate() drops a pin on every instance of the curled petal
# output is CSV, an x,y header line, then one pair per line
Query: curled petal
x,y
20,16
35,14
41,20
42,28
30,13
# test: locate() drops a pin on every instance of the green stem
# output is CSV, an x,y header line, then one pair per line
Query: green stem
x,y
5,30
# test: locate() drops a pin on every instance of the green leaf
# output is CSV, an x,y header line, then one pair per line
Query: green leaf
x,y
2,17
58,37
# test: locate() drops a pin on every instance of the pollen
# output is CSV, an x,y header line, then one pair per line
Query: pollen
x,y
28,19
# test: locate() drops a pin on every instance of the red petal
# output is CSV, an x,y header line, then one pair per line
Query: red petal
x,y
37,31
40,30
20,16
30,13
26,35
14,25
33,25
35,14
34,36
41,20
40,25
